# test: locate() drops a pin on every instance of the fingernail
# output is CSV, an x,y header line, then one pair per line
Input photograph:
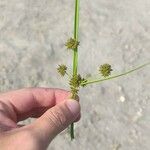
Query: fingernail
x,y
73,106
78,117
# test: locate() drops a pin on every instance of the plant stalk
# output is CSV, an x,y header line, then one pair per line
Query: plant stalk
x,y
75,55
115,76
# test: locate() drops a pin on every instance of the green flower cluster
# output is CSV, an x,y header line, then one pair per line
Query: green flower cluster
x,y
75,83
62,70
72,44
105,70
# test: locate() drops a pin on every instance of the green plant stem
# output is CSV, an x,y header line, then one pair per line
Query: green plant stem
x,y
75,55
115,76
76,30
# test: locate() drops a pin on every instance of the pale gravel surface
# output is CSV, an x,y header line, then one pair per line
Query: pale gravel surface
x,y
115,114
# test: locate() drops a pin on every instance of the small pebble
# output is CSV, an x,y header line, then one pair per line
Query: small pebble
x,y
122,99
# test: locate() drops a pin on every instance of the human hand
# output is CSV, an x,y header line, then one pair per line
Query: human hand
x,y
52,108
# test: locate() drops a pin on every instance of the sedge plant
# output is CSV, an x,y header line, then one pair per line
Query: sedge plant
x,y
76,81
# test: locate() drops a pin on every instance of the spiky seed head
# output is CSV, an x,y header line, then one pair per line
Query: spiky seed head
x,y
75,81
105,70
74,92
62,70
72,43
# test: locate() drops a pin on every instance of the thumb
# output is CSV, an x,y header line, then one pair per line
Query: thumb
x,y
56,119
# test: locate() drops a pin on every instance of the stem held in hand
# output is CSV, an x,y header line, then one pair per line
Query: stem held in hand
x,y
75,58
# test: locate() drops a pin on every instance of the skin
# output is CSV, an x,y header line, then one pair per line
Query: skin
x,y
52,108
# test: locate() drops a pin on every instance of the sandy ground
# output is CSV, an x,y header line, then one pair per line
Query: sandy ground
x,y
115,114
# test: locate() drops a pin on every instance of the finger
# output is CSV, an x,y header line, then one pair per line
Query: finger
x,y
78,118
28,102
56,119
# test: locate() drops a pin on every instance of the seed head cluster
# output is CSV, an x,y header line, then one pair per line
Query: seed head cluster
x,y
105,70
72,44
62,70
75,83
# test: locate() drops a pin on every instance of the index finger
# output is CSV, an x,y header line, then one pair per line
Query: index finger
x,y
28,102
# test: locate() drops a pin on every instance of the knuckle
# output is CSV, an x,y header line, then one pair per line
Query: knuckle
x,y
57,117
